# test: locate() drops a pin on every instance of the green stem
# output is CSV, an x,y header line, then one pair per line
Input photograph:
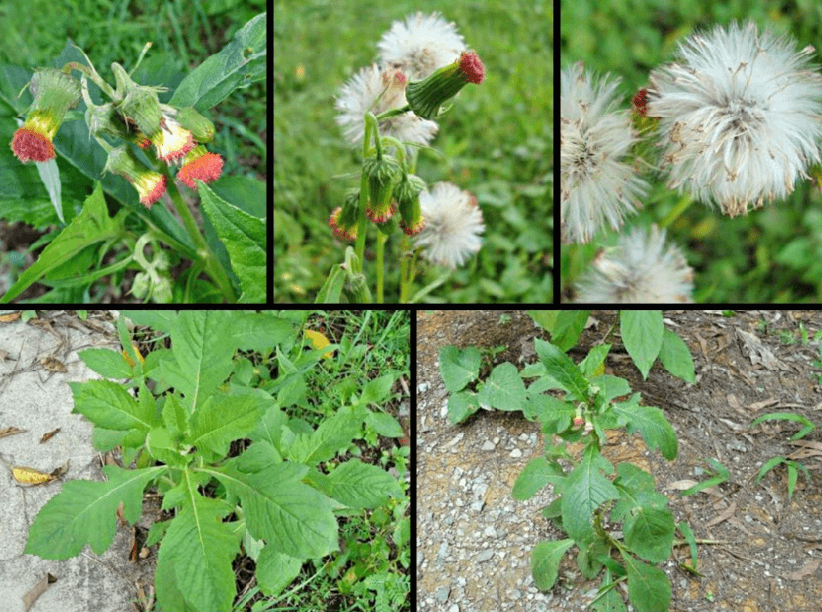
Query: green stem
x,y
381,238
684,202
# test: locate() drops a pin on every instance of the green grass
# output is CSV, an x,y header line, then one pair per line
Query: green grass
x,y
773,254
497,140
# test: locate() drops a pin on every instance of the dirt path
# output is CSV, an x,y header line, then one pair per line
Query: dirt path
x,y
474,539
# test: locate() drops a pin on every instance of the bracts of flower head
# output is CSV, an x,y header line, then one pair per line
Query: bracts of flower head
x,y
150,185
55,92
426,97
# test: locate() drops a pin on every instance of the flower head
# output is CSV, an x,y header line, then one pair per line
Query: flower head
x,y
172,141
55,92
202,165
420,45
150,185
343,219
453,223
376,90
407,193
639,269
598,187
427,96
739,116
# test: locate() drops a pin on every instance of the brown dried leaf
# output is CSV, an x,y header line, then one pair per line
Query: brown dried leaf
x,y
38,589
10,431
30,476
52,364
806,570
48,436
723,516
10,317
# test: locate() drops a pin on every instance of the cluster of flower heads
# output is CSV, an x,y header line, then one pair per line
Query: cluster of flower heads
x,y
737,119
423,63
134,115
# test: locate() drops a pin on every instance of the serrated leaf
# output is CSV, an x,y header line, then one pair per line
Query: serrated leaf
x,y
275,571
223,418
504,389
461,406
458,367
334,433
385,424
676,356
357,484
375,391
203,348
649,532
560,367
175,416
648,586
84,513
545,560
291,517
239,64
106,362
642,332
650,421
197,550
110,406
536,474
585,490
244,238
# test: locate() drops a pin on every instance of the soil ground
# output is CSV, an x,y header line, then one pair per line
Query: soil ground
x,y
474,552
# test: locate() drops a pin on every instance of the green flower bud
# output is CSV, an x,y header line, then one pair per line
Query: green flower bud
x,y
139,102
408,195
382,173
427,96
194,122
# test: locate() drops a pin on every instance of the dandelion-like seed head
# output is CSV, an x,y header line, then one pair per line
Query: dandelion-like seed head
x,y
739,116
453,224
376,90
639,269
598,187
420,45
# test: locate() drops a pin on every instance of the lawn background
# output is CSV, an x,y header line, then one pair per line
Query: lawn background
x,y
772,255
497,140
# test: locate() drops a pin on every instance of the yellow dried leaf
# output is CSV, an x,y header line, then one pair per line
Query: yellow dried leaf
x,y
30,476
318,341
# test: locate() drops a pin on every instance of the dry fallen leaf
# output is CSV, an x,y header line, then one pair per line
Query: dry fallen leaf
x,y
47,436
806,570
10,431
30,476
52,364
38,589
10,317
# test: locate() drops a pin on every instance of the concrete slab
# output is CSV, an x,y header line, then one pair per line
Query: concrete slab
x,y
35,396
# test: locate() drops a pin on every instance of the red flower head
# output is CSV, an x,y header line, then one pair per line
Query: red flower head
x,y
343,228
200,164
472,67
172,141
150,185
55,92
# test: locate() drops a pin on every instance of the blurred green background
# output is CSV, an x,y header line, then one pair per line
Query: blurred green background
x,y
774,254
497,140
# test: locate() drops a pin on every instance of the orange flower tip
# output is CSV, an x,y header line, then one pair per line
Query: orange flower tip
x,y
153,190
343,233
382,214
472,67
208,167
31,145
173,142
412,230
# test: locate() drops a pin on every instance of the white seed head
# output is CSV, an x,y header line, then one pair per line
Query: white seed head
x,y
639,269
598,186
739,116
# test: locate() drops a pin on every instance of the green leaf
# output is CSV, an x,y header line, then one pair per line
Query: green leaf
x,y
676,356
197,551
650,421
648,586
357,484
203,348
461,406
223,418
535,475
91,227
110,406
244,237
238,65
375,391
385,424
585,489
84,512
649,532
504,389
568,328
459,367
560,367
545,559
107,363
642,332
275,571
291,517
333,434
592,364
